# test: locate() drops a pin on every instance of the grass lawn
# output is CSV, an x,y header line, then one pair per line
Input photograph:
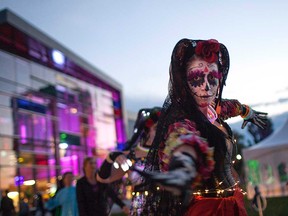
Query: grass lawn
x,y
277,206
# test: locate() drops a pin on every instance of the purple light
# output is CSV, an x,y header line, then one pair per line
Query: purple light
x,y
120,133
115,96
19,180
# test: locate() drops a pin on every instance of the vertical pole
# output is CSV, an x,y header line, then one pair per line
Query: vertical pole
x,y
259,204
16,142
55,129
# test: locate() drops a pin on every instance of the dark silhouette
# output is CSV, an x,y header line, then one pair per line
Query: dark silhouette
x,y
7,207
24,208
92,196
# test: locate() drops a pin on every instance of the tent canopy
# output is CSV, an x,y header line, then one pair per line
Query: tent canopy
x,y
275,142
266,164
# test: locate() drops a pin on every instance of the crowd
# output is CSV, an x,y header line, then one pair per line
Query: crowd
x,y
180,157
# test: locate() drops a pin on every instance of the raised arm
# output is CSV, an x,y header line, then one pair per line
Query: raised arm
x,y
231,107
113,167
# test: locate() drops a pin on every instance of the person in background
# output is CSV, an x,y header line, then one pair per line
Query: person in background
x,y
135,152
60,185
38,204
6,206
92,195
24,207
66,197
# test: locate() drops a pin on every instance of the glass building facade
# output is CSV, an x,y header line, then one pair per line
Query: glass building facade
x,y
55,109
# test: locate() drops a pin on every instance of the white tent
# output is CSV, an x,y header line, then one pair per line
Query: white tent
x,y
266,164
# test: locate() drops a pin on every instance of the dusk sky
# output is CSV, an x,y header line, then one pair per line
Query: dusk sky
x,y
132,41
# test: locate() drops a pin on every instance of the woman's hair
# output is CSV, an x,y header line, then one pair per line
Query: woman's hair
x,y
180,104
66,173
146,118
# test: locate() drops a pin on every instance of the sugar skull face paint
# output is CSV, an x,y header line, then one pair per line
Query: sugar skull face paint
x,y
203,80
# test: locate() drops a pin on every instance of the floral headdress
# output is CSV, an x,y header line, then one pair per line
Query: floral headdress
x,y
146,118
208,50
152,118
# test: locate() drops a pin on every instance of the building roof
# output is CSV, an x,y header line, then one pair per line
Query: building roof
x,y
7,16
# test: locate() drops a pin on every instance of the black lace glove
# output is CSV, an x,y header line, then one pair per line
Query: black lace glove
x,y
111,159
178,179
258,118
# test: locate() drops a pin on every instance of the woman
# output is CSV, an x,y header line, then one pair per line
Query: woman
x,y
192,153
92,195
136,151
66,197
117,163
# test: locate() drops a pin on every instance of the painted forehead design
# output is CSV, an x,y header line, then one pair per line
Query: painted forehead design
x,y
202,64
192,74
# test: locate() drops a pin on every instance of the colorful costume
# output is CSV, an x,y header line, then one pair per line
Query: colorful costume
x,y
193,151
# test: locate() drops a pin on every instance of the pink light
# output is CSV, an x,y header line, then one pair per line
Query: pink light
x,y
119,128
68,163
23,134
115,96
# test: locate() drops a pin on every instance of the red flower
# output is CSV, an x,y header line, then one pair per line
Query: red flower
x,y
208,50
149,123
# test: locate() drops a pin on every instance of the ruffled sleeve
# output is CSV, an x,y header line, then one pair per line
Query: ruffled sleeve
x,y
185,133
229,108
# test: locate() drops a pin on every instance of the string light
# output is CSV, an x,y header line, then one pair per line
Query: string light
x,y
219,191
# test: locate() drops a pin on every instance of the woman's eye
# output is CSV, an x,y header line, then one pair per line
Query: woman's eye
x,y
196,78
211,77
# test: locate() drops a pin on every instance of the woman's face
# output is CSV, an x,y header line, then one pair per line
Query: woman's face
x,y
68,180
151,135
203,81
90,167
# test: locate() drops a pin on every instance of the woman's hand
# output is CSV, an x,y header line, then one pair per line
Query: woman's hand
x,y
255,117
126,210
123,162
